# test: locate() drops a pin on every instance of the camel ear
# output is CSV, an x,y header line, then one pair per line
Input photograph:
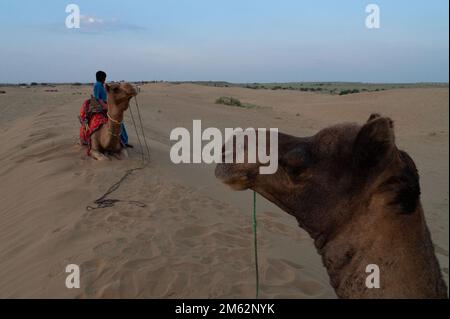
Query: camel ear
x,y
107,87
375,142
373,116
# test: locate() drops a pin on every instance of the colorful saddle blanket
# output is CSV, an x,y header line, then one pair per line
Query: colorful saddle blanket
x,y
92,117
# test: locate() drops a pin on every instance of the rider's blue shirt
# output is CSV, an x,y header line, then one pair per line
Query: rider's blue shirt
x,y
100,92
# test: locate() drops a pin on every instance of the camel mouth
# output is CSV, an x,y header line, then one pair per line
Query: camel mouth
x,y
236,179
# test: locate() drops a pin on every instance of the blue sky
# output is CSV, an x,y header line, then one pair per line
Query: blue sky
x,y
233,40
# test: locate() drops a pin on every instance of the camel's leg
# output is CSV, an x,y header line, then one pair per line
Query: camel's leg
x,y
95,153
99,156
123,154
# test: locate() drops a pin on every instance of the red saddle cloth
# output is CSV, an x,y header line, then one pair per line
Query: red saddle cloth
x,y
92,118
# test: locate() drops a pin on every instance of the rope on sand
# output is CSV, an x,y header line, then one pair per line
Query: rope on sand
x,y
104,202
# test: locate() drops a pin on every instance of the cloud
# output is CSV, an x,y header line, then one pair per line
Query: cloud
x,y
91,21
94,25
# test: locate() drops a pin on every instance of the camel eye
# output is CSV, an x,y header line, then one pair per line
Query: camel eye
x,y
295,161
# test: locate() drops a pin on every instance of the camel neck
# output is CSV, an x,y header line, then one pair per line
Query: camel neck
x,y
115,113
379,236
368,230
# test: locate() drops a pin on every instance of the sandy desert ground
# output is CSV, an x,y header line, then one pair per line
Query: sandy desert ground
x,y
194,238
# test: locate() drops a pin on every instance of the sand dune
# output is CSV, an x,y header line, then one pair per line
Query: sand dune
x,y
194,238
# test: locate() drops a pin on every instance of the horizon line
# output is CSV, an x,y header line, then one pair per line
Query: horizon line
x,y
35,83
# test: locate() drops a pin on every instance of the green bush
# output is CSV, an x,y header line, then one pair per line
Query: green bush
x,y
231,101
345,92
228,101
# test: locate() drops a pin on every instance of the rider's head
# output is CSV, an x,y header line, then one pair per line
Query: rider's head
x,y
100,76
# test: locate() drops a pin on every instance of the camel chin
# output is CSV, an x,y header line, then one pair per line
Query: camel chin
x,y
236,185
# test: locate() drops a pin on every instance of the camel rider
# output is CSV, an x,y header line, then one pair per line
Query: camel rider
x,y
102,98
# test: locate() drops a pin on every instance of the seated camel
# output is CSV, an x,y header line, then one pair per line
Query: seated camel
x,y
358,197
102,134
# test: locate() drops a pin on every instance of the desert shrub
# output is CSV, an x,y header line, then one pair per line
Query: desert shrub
x,y
234,102
345,92
77,84
228,101
33,84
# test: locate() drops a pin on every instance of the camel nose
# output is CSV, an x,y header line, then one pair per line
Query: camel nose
x,y
133,90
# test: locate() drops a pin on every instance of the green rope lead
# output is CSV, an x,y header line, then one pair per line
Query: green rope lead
x,y
255,238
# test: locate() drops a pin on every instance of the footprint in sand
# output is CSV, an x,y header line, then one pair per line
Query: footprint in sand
x,y
283,273
110,248
279,273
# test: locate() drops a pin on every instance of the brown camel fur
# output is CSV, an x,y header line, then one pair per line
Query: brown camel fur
x,y
107,139
358,197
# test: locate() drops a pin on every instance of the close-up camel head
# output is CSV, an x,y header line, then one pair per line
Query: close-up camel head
x,y
358,196
317,174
